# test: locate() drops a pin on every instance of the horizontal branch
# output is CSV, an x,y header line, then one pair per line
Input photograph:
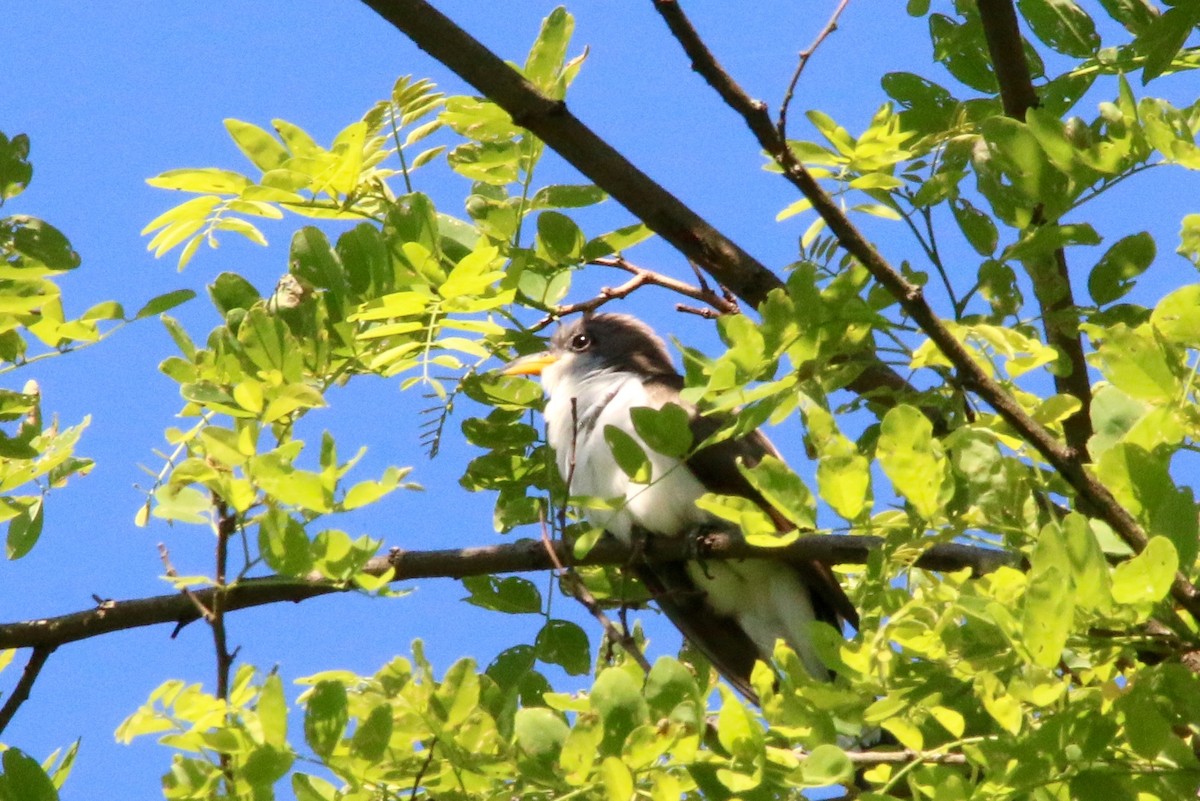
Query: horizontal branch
x,y
523,556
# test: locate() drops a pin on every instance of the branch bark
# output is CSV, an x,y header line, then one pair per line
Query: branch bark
x,y
1093,497
1050,277
20,693
666,215
523,556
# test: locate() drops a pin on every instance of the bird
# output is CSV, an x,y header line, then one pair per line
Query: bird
x,y
598,368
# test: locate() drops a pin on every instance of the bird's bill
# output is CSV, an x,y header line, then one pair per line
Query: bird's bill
x,y
533,364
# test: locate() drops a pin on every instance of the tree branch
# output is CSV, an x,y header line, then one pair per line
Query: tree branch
x,y
20,693
554,124
1094,497
522,556
805,55
1049,275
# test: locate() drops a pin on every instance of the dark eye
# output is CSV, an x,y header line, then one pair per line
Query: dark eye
x,y
580,342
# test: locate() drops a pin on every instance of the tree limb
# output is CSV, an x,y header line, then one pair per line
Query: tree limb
x,y
1094,497
522,556
1049,275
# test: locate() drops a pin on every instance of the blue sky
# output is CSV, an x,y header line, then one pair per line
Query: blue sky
x,y
113,93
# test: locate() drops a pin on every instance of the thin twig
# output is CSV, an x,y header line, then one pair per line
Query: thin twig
x,y
1093,497
226,526
721,302
570,580
424,767
20,693
172,573
863,758
805,55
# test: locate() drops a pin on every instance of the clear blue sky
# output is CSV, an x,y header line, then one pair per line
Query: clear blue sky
x,y
113,93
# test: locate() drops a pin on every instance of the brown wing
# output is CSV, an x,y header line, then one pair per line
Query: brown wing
x,y
716,467
718,637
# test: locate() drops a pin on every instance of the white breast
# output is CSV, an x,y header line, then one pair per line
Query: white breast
x,y
664,506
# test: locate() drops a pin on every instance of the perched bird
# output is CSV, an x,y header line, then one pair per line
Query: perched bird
x,y
596,370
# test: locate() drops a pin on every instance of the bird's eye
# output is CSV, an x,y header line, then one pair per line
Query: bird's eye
x,y
580,342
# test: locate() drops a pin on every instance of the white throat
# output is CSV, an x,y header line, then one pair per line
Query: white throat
x,y
579,407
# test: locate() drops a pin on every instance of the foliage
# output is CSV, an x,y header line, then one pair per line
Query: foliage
x,y
1074,678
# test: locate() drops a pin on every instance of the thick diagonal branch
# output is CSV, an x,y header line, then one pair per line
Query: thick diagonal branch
x,y
1049,274
518,557
665,214
1094,497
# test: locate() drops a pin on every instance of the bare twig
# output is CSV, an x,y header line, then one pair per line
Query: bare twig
x,y
1094,497
424,767
20,692
720,303
580,593
805,55
171,572
866,758
523,556
226,526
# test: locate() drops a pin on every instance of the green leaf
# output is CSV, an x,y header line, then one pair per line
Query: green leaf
x,y
1113,275
963,51
272,712
784,490
1146,578
39,245
1061,25
313,788
207,180
284,545
629,455
976,226
1139,364
827,764
513,595
325,717
1049,603
24,779
1089,569
913,459
616,241
739,730
539,733
257,144
231,291
15,169
567,196
25,529
559,238
929,108
617,698
1165,37
372,736
844,477
1177,316
550,49
667,430
563,643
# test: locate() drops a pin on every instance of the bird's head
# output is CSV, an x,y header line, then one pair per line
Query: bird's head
x,y
592,344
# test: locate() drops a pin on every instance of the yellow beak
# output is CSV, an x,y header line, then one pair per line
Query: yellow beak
x,y
533,364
